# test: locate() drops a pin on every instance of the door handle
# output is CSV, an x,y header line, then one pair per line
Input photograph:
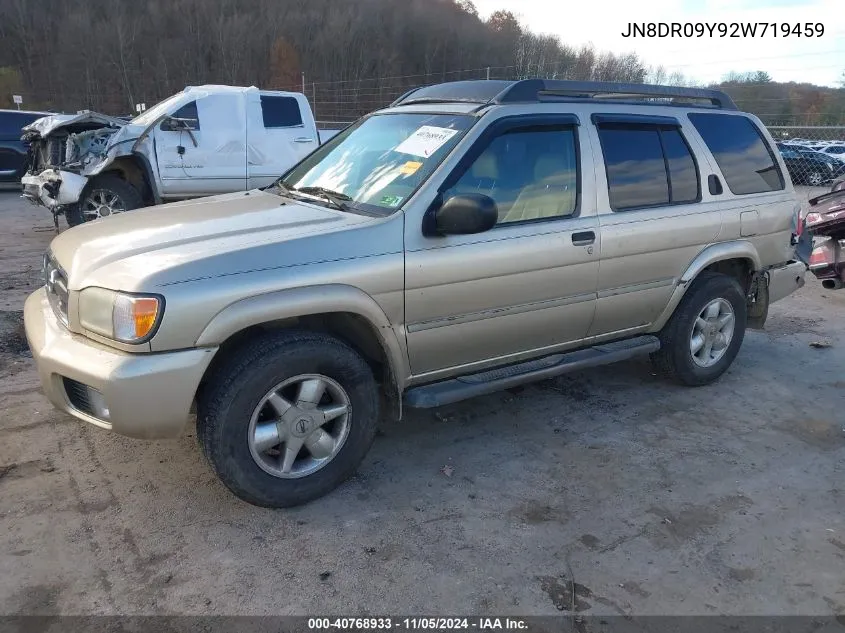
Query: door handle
x,y
584,238
303,139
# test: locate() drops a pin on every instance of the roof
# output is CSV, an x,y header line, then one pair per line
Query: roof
x,y
544,90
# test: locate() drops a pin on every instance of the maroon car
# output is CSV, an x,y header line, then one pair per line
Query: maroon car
x,y
826,222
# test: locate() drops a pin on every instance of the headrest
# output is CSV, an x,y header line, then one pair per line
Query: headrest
x,y
553,167
486,166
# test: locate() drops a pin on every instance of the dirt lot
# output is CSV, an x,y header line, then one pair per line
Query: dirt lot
x,y
654,499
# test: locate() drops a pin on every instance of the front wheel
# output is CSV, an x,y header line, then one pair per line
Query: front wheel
x,y
288,418
705,333
102,197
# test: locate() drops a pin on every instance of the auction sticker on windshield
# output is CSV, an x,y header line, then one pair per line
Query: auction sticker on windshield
x,y
425,141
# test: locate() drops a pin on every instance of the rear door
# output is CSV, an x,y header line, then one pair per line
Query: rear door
x,y
280,132
653,218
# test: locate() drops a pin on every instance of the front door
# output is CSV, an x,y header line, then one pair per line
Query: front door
x,y
525,286
204,151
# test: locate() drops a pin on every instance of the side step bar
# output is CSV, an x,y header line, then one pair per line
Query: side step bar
x,y
457,389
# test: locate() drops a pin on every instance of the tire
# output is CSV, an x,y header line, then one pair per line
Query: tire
x,y
232,397
675,359
127,196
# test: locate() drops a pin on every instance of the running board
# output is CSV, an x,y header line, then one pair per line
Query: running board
x,y
457,389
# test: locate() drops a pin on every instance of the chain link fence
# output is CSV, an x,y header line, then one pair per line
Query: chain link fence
x,y
814,155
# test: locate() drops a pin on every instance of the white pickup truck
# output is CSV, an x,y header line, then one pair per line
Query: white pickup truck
x,y
201,141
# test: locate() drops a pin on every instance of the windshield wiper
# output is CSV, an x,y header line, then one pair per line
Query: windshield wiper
x,y
337,198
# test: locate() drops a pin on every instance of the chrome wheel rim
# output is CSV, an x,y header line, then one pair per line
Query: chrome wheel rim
x,y
816,178
712,333
299,426
101,203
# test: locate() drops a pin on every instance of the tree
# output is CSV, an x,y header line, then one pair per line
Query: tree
x,y
284,65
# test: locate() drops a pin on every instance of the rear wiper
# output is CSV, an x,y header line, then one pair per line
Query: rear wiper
x,y
337,198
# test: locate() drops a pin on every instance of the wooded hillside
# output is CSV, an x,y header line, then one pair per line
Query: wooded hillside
x,y
356,55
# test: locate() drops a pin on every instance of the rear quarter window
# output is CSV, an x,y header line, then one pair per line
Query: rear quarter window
x,y
280,111
746,160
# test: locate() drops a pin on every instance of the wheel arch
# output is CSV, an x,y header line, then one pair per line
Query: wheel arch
x,y
737,259
346,312
137,171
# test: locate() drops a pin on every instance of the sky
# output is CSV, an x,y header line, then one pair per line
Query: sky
x,y
818,60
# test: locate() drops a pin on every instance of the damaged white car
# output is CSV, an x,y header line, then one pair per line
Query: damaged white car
x,y
202,141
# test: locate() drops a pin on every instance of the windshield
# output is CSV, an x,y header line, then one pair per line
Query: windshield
x,y
381,161
148,116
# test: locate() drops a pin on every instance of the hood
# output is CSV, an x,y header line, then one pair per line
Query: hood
x,y
145,249
87,120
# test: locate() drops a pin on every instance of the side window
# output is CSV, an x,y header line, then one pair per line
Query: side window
x,y
280,111
187,113
746,161
531,173
12,122
683,172
647,166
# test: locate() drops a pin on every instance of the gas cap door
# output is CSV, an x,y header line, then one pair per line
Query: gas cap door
x,y
749,223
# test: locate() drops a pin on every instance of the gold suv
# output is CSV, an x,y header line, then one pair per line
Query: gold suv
x,y
470,237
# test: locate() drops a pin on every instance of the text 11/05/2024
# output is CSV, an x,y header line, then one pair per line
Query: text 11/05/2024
x,y
723,29
417,623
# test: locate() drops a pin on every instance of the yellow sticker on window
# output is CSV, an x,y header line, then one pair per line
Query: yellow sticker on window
x,y
410,167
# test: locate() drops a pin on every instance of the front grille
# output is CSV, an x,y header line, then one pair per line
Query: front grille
x,y
55,281
78,395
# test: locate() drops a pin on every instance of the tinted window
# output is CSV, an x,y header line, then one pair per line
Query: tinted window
x,y
835,150
189,114
636,171
683,174
12,122
531,173
746,161
280,111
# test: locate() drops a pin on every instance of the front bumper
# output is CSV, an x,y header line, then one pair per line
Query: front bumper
x,y
53,188
147,395
785,280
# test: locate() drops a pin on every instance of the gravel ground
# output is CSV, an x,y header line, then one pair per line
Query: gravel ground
x,y
650,498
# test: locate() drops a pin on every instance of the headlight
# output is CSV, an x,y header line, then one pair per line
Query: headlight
x,y
128,318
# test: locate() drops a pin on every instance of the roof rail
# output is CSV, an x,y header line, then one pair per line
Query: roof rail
x,y
534,90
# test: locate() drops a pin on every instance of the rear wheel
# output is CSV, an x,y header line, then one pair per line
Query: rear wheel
x,y
288,418
705,333
104,196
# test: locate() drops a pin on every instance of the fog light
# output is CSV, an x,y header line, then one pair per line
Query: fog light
x,y
98,404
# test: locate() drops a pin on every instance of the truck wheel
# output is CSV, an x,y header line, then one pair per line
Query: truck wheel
x,y
288,418
705,333
104,196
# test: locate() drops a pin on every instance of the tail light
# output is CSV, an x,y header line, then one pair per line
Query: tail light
x,y
824,254
797,223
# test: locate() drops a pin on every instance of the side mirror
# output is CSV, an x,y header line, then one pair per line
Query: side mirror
x,y
169,124
466,214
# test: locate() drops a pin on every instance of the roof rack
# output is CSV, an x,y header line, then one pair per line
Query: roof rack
x,y
537,90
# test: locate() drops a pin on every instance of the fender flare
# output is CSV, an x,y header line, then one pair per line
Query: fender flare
x,y
739,249
305,301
